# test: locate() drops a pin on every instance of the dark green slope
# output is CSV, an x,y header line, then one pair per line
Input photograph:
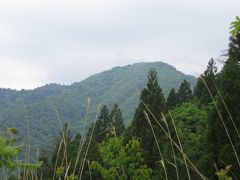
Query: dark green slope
x,y
120,85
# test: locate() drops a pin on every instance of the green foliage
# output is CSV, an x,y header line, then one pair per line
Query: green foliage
x,y
107,125
191,123
122,161
67,148
121,85
103,125
60,171
184,92
209,78
223,173
172,99
72,177
117,120
208,131
233,50
65,151
9,152
224,122
153,98
235,27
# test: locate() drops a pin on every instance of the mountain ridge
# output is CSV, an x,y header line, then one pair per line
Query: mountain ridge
x,y
121,85
90,76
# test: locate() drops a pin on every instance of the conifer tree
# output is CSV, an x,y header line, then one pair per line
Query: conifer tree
x,y
117,120
184,92
172,99
153,98
223,144
209,77
100,132
103,125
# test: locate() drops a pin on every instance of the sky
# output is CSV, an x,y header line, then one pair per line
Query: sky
x,y
65,41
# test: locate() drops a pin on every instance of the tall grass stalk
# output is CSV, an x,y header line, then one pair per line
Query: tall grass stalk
x,y
36,175
56,162
4,173
66,173
27,156
232,174
223,123
18,172
66,145
115,135
173,151
180,144
159,150
175,144
189,161
82,135
86,152
63,137
89,170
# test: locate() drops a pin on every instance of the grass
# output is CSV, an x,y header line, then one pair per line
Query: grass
x,y
176,145
159,150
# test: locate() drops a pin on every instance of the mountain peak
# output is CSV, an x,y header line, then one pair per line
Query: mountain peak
x,y
121,85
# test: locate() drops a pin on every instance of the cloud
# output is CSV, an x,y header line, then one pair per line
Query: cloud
x,y
66,41
15,74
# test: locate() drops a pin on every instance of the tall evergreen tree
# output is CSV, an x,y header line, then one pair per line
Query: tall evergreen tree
x,y
184,92
209,77
153,98
103,125
117,120
230,93
172,99
99,133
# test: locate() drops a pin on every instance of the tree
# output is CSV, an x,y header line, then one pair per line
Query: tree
x,y
224,128
153,98
184,92
121,161
172,99
191,123
102,130
117,120
103,125
9,152
210,78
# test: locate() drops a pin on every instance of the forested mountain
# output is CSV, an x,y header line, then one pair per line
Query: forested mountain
x,y
39,108
188,133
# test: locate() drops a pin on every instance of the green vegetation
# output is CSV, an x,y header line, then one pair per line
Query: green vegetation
x,y
151,98
9,154
120,85
121,161
188,136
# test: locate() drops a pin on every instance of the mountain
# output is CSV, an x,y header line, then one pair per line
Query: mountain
x,y
38,109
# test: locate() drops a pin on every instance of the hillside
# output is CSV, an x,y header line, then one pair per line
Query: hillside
x,y
121,85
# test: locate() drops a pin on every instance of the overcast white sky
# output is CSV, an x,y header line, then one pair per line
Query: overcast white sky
x,y
65,41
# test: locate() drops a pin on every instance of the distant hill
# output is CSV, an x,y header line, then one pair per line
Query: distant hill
x,y
121,85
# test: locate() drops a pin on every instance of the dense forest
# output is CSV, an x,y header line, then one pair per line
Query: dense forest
x,y
189,134
38,109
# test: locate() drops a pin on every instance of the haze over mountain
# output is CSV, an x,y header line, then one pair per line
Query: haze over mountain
x,y
68,40
39,108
